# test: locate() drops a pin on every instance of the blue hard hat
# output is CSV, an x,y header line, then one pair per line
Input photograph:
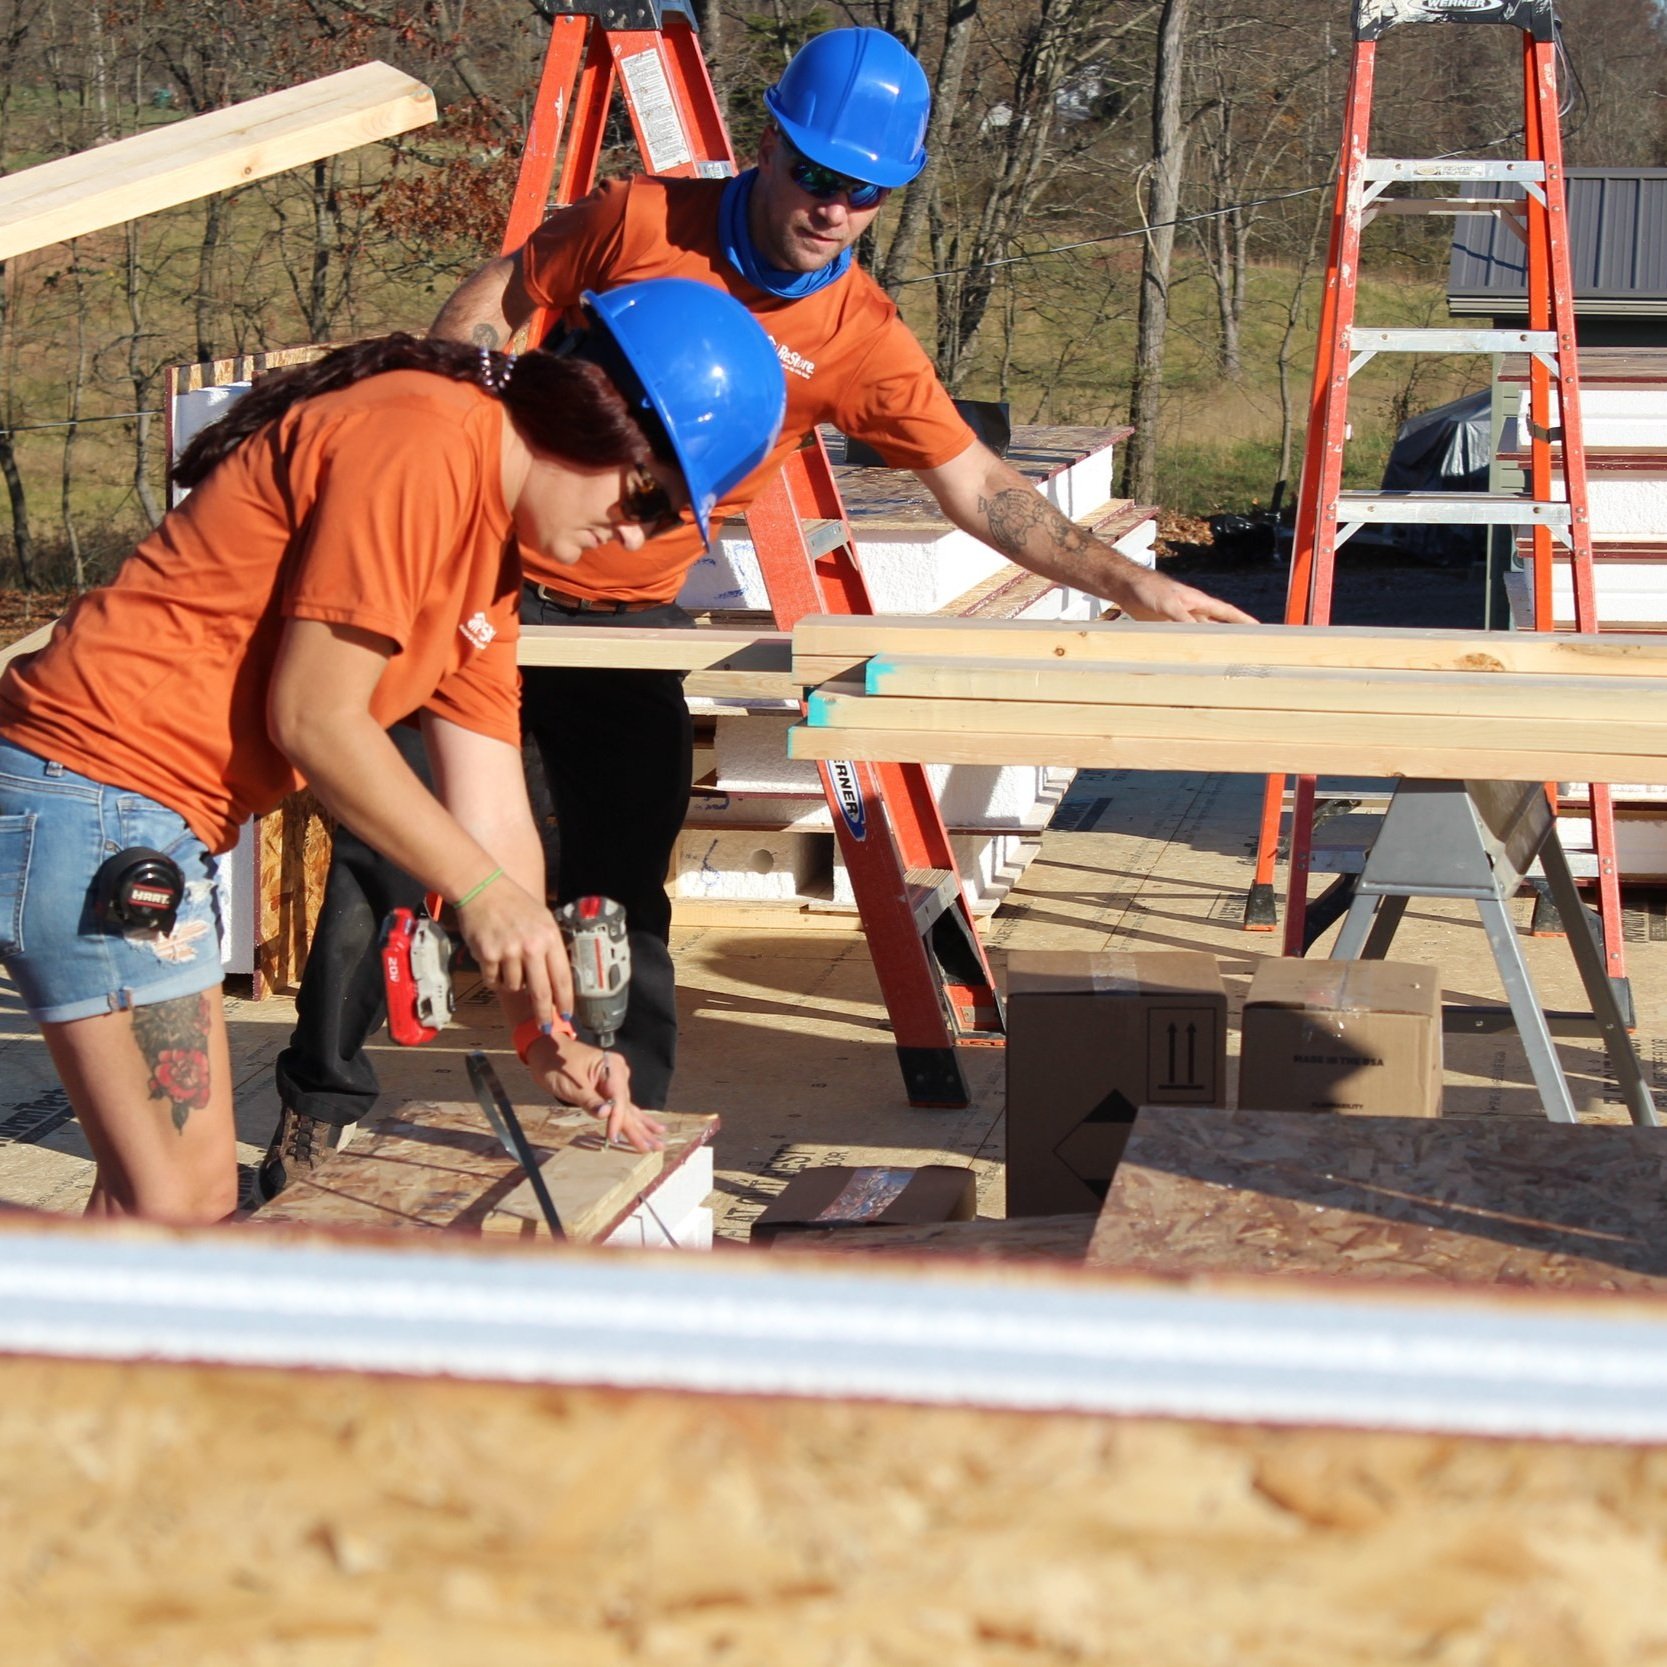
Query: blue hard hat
x,y
856,101
708,372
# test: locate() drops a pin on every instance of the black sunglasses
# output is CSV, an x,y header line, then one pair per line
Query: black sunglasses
x,y
824,183
648,504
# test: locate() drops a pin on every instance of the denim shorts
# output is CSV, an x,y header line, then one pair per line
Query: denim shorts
x,y
56,830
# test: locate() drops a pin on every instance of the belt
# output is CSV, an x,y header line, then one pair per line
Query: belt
x,y
569,603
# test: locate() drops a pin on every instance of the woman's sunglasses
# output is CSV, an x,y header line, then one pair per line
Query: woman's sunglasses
x,y
648,504
823,183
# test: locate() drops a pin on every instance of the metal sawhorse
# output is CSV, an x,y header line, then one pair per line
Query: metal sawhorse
x,y
1477,839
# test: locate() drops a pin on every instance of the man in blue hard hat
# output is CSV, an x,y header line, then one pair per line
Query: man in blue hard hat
x,y
847,127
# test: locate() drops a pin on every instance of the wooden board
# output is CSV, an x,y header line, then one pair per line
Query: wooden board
x,y
1294,751
719,661
826,646
1643,733
292,864
1509,696
1468,1199
429,1165
183,160
30,644
159,1513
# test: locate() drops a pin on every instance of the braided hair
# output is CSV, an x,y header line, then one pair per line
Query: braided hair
x,y
563,405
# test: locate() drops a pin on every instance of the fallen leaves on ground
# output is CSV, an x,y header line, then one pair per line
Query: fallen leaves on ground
x,y
23,611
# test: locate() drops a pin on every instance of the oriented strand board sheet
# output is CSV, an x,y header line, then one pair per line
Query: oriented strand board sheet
x,y
292,865
433,1164
210,1515
183,160
1470,1199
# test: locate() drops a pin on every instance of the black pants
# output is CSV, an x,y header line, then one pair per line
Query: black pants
x,y
617,748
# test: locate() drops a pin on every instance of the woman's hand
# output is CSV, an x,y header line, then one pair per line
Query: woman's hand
x,y
517,946
598,1081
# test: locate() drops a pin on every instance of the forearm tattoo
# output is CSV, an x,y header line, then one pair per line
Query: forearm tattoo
x,y
1013,516
173,1040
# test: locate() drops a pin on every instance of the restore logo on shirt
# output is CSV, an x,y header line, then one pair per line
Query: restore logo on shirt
x,y
795,363
479,630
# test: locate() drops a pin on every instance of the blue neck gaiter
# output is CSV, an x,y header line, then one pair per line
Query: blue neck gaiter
x,y
736,237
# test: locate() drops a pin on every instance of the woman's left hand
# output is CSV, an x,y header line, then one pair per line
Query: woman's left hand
x,y
598,1081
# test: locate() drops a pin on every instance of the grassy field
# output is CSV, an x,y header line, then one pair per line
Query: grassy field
x,y
1070,347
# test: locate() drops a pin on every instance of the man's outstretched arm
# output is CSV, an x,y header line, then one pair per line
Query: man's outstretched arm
x,y
488,307
991,500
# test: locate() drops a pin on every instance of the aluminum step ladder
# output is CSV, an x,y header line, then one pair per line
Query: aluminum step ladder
x,y
1530,194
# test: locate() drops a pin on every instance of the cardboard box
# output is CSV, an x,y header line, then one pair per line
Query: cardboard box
x,y
1362,1037
1090,1038
840,1196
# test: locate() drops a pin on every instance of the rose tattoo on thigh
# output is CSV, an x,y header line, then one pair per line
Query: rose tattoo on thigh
x,y
173,1038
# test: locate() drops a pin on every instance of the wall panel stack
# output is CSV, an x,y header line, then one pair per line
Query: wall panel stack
x,y
1624,415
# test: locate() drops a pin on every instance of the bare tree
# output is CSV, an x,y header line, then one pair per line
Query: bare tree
x,y
1163,202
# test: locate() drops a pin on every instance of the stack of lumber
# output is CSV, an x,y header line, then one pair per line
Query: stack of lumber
x,y
1325,700
759,835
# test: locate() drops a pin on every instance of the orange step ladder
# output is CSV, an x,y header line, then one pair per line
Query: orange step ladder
x,y
1327,514
934,976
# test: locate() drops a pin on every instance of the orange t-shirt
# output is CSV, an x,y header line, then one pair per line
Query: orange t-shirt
x,y
380,506
850,360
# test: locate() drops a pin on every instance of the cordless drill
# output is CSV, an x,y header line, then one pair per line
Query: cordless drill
x,y
600,955
416,970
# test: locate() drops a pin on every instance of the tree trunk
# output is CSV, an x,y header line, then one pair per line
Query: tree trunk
x,y
214,219
1163,197
138,378
1293,316
318,290
946,92
709,24
72,431
22,540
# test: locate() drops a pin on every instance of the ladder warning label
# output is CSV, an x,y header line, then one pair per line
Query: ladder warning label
x,y
665,144
842,777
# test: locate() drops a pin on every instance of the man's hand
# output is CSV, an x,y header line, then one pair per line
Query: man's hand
x,y
1150,595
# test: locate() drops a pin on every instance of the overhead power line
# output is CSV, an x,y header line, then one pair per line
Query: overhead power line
x,y
76,422
1114,237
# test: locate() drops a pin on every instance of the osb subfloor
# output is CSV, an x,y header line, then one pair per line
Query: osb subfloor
x,y
150,1518
784,1034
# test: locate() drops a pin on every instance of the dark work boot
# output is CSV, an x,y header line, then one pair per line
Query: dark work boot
x,y
299,1145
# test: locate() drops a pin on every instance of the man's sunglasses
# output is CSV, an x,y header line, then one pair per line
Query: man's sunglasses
x,y
824,183
648,504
